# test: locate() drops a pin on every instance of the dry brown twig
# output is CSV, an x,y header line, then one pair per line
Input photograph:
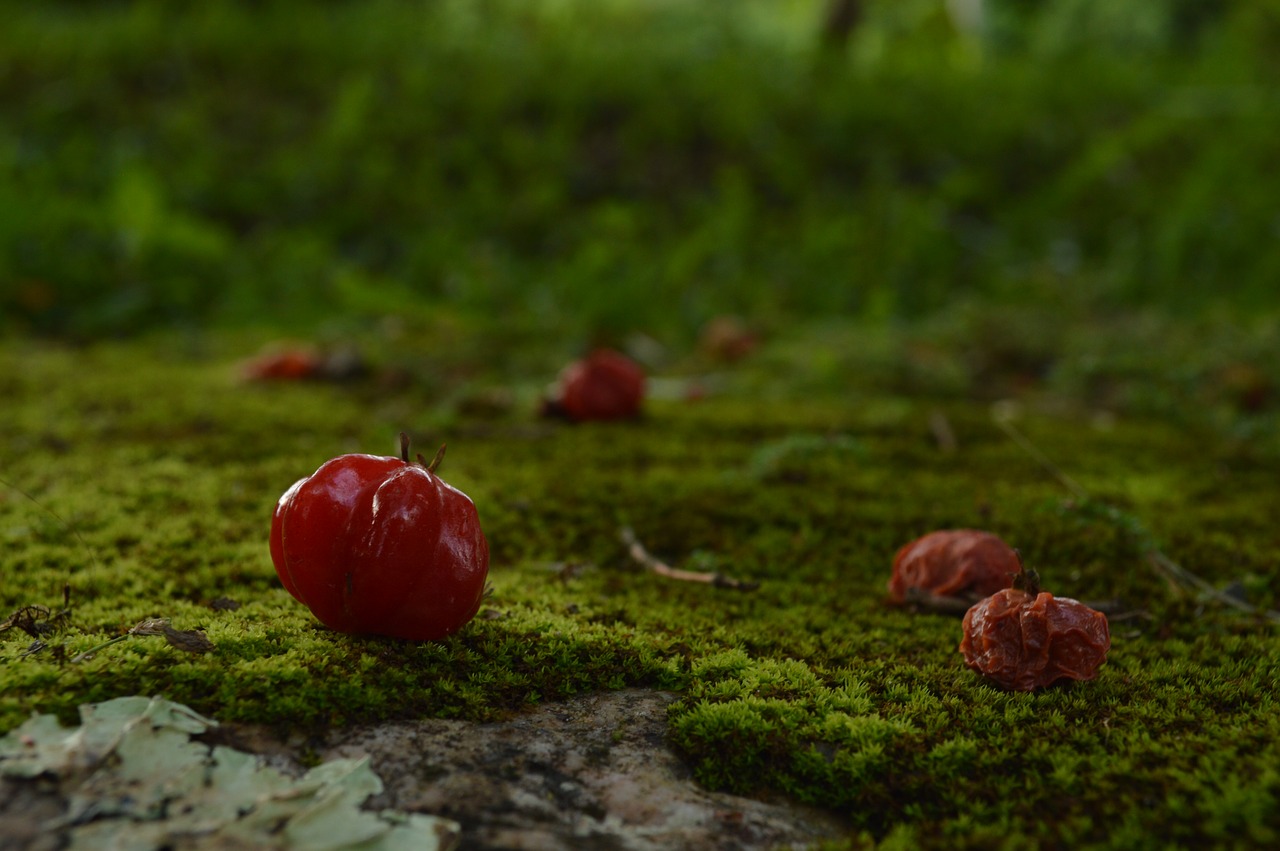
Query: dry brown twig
x,y
927,601
718,580
1179,577
190,640
943,434
40,622
940,604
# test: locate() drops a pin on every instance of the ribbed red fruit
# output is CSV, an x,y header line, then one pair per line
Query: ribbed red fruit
x,y
381,545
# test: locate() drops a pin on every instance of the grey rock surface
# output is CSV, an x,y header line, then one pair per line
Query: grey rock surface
x,y
595,772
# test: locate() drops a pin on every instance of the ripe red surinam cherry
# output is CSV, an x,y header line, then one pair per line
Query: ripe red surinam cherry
x,y
304,363
1024,638
605,385
953,563
292,364
381,545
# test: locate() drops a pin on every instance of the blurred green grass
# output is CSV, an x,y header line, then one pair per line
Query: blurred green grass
x,y
600,167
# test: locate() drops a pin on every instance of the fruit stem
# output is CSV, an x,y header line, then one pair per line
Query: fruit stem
x,y
404,447
435,462
1025,580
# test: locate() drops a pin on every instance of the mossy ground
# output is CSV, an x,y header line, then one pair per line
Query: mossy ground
x,y
805,470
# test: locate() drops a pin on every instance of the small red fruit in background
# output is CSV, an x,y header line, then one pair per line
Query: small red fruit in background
x,y
728,339
381,545
605,385
1024,638
303,363
953,563
294,364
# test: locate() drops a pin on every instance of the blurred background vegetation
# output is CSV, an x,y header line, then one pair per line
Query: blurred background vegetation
x,y
601,166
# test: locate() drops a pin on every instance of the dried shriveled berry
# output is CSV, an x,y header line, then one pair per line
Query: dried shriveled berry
x,y
1024,638
953,563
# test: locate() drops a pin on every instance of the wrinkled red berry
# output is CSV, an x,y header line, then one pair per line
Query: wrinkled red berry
x,y
605,385
1024,638
953,563
381,545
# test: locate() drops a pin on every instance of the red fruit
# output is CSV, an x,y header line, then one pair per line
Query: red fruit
x,y
727,338
953,563
381,545
1025,638
286,365
605,385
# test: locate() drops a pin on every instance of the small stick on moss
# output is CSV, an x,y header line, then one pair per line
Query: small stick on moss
x,y
645,558
56,516
943,433
190,640
1004,420
1178,576
40,622
33,620
1178,573
940,604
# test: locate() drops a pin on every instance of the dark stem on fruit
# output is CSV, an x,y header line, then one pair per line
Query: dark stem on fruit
x,y
435,462
404,447
1025,580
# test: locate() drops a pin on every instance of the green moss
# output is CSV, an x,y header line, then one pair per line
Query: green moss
x,y
154,471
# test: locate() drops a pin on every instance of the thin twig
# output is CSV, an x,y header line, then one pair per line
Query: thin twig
x,y
56,516
943,604
40,622
190,640
940,604
942,431
1005,423
1178,575
90,653
1181,574
644,557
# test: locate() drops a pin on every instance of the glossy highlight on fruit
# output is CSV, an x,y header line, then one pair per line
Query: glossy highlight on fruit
x,y
1024,638
605,385
953,563
381,545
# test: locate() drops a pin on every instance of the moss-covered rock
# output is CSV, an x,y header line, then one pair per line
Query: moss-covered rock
x,y
142,476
